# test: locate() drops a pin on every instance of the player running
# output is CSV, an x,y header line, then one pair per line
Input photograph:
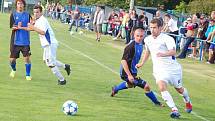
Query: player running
x,y
49,44
166,69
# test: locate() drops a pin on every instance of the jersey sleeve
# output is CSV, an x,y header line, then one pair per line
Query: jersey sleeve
x,y
128,53
42,25
146,45
170,43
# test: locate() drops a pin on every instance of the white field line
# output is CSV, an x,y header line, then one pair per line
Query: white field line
x,y
115,72
90,58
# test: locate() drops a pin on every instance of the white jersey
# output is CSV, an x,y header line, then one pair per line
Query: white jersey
x,y
162,44
49,37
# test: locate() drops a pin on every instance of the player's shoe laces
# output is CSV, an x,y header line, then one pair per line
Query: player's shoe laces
x,y
28,78
189,107
175,114
68,69
113,92
12,74
61,82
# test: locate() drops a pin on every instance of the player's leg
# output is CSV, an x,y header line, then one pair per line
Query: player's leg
x,y
143,84
177,83
14,54
50,62
168,98
58,63
123,85
184,93
26,54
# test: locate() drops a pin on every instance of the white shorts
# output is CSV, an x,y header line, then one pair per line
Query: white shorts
x,y
174,79
49,54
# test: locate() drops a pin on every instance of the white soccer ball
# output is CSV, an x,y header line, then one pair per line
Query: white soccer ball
x,y
81,32
71,32
70,108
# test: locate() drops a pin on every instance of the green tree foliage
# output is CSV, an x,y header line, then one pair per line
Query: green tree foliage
x,y
201,6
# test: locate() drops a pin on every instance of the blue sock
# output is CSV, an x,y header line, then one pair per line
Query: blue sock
x,y
152,97
13,66
28,69
121,86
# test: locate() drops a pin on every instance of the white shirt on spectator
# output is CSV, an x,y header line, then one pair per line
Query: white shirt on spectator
x,y
172,25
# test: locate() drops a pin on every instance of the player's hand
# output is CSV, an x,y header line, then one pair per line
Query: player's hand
x,y
30,27
130,78
160,54
15,28
139,65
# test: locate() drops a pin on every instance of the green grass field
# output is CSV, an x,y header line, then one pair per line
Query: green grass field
x,y
95,68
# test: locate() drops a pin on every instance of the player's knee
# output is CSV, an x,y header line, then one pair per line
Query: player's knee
x,y
129,85
147,87
180,90
12,61
140,83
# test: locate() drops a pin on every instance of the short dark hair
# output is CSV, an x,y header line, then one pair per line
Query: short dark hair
x,y
38,7
138,27
157,21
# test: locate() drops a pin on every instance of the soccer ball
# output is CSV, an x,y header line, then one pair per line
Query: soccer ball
x,y
81,32
71,32
70,108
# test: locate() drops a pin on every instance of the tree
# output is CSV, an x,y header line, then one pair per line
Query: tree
x,y
200,6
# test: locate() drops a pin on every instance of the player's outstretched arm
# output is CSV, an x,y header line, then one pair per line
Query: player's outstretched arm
x,y
33,28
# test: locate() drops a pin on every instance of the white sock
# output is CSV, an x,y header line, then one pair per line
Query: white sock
x,y
57,73
60,64
168,99
186,96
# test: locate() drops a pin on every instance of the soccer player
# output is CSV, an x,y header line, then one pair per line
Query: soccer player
x,y
166,69
20,38
128,71
49,44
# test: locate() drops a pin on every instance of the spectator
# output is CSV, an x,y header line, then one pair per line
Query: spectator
x,y
75,18
158,16
97,22
191,34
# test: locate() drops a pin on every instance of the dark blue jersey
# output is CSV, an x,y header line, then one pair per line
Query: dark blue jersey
x,y
132,54
20,37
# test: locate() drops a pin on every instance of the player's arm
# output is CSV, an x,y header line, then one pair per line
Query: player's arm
x,y
36,29
171,52
12,25
171,48
145,58
127,56
126,69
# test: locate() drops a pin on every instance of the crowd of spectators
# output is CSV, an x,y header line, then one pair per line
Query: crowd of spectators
x,y
120,24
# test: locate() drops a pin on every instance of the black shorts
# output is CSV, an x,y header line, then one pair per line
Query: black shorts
x,y
16,49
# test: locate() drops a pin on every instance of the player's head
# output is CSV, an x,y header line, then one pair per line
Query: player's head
x,y
155,27
20,5
38,11
138,34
